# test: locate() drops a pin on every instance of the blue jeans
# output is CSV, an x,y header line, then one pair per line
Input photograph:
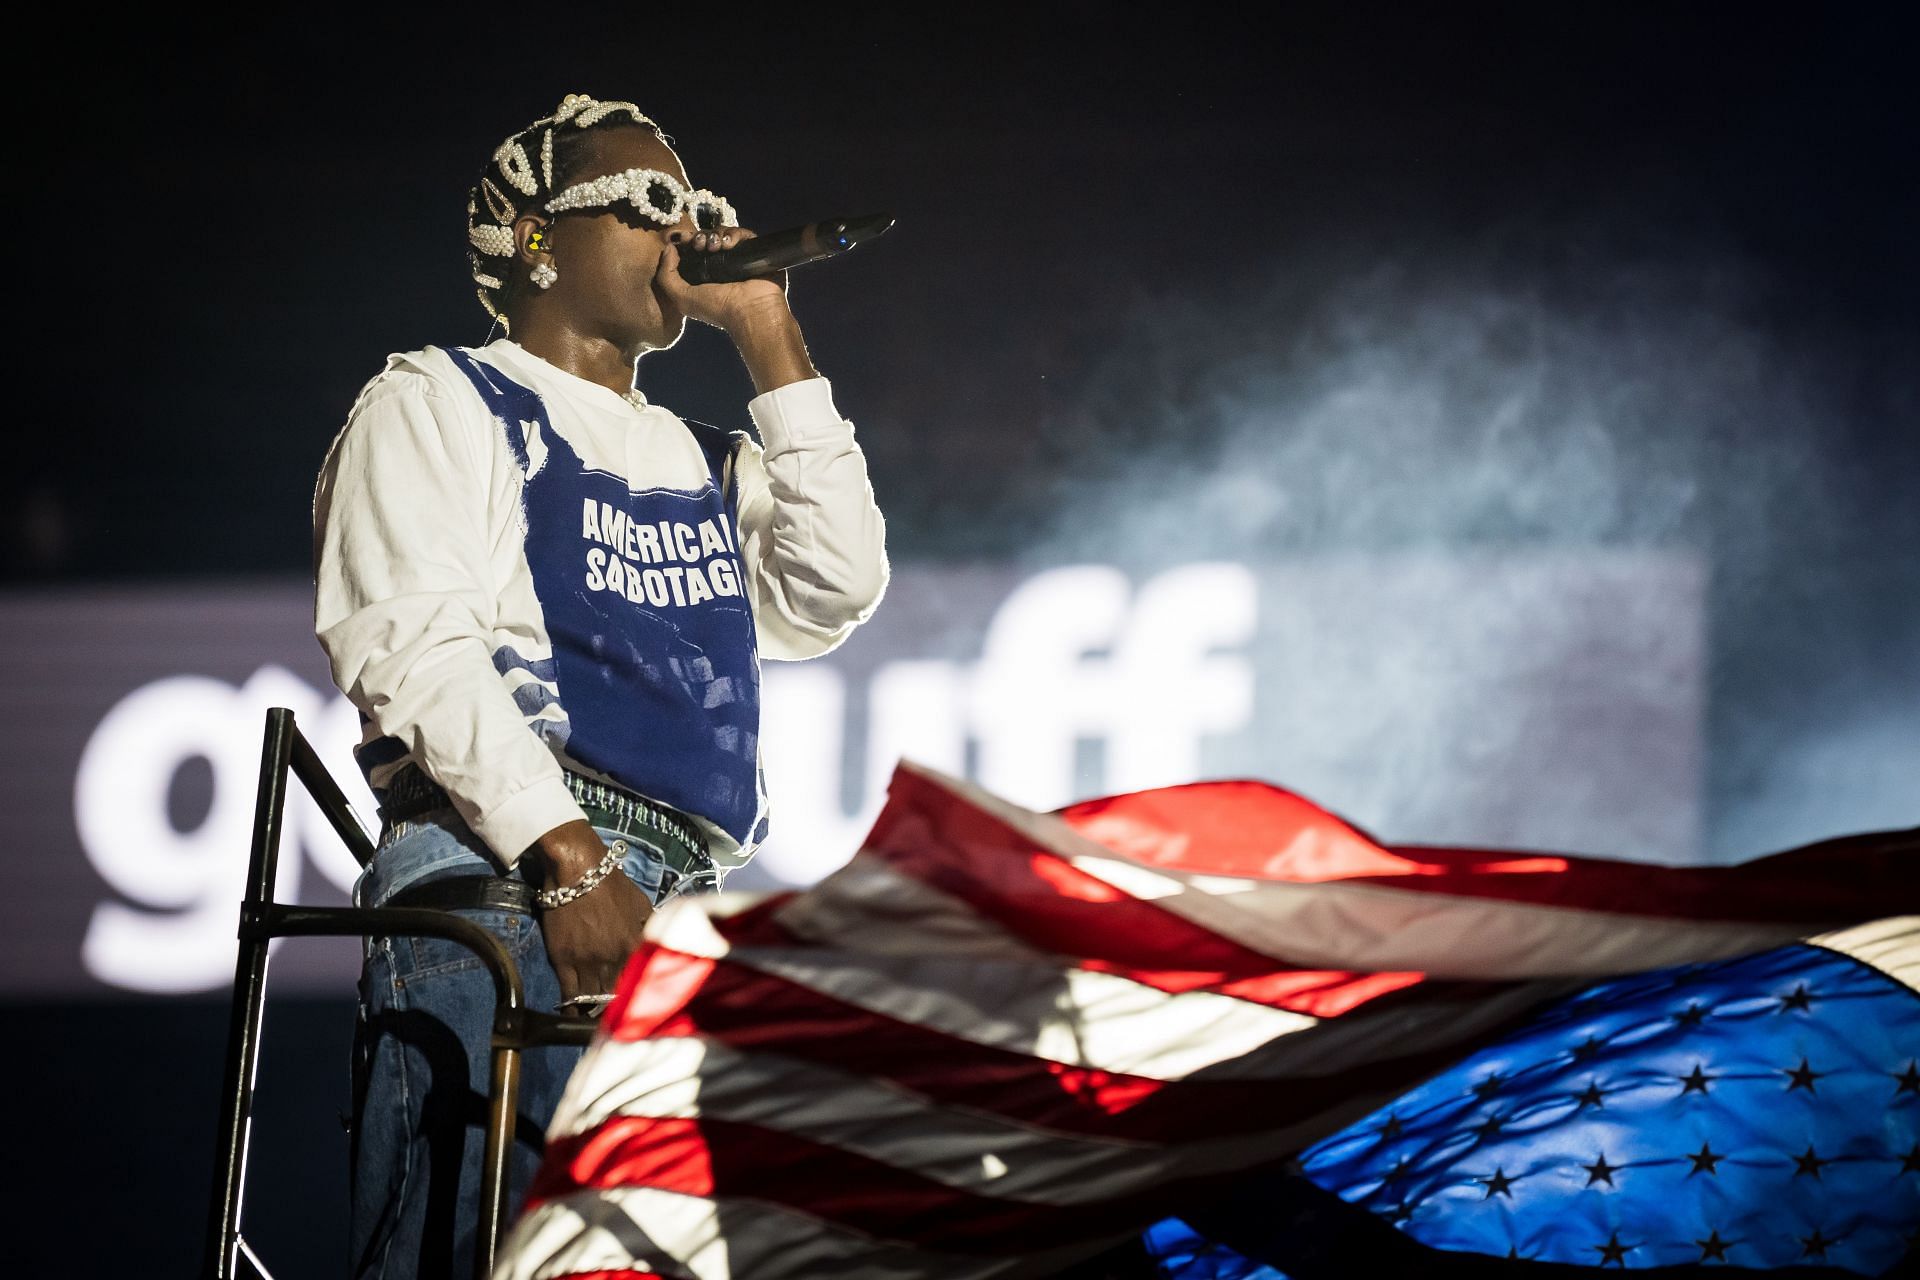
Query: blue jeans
x,y
421,1063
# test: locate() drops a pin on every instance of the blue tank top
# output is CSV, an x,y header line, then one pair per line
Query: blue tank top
x,y
645,601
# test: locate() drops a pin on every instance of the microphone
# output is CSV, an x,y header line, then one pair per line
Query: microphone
x,y
777,250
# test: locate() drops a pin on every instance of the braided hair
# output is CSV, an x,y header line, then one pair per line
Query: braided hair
x,y
526,171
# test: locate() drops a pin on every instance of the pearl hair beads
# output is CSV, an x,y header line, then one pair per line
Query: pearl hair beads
x,y
516,167
495,242
490,234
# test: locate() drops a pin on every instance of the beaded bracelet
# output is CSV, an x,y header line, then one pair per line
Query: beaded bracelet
x,y
550,898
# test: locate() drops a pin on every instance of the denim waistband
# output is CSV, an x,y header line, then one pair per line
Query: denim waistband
x,y
457,850
399,862
410,794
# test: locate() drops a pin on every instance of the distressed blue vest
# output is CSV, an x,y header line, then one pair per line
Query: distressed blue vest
x,y
645,599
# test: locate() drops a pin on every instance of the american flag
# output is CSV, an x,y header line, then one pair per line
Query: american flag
x,y
1002,1043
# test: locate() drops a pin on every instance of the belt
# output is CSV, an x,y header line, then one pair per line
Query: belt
x,y
463,893
411,793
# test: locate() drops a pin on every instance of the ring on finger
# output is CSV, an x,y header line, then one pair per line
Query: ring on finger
x,y
594,1001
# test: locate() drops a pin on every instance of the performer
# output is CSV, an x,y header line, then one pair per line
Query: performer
x,y
549,599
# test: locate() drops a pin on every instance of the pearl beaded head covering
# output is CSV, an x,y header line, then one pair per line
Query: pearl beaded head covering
x,y
520,179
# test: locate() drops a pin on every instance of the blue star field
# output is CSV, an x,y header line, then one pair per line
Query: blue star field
x,y
1760,1113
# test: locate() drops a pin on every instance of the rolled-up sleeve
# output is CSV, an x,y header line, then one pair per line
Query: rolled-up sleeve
x,y
405,602
812,536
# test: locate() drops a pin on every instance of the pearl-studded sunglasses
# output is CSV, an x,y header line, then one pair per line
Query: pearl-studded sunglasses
x,y
656,195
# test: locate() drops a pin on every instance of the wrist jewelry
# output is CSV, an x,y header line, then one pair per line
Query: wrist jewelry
x,y
550,898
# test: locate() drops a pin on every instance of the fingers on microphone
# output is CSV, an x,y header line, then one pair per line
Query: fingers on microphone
x,y
707,241
710,241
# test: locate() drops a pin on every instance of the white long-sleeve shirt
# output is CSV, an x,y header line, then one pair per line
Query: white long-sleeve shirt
x,y
441,550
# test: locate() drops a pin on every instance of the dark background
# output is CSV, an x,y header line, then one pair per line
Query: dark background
x,y
1166,283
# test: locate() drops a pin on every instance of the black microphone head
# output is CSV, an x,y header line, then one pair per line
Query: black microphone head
x,y
847,232
778,250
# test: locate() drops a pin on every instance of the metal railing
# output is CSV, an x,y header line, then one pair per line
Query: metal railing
x,y
515,1027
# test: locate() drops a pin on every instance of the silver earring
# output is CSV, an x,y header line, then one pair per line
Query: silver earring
x,y
544,275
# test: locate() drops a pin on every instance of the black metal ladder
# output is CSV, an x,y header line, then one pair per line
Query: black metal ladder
x,y
515,1027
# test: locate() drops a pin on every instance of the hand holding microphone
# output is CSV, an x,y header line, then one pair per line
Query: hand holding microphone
x,y
763,255
751,306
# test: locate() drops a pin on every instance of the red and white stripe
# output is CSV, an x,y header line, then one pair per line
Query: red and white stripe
x,y
998,1040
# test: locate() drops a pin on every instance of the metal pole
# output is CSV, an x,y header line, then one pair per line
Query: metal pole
x,y
333,802
249,987
503,1101
515,1027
